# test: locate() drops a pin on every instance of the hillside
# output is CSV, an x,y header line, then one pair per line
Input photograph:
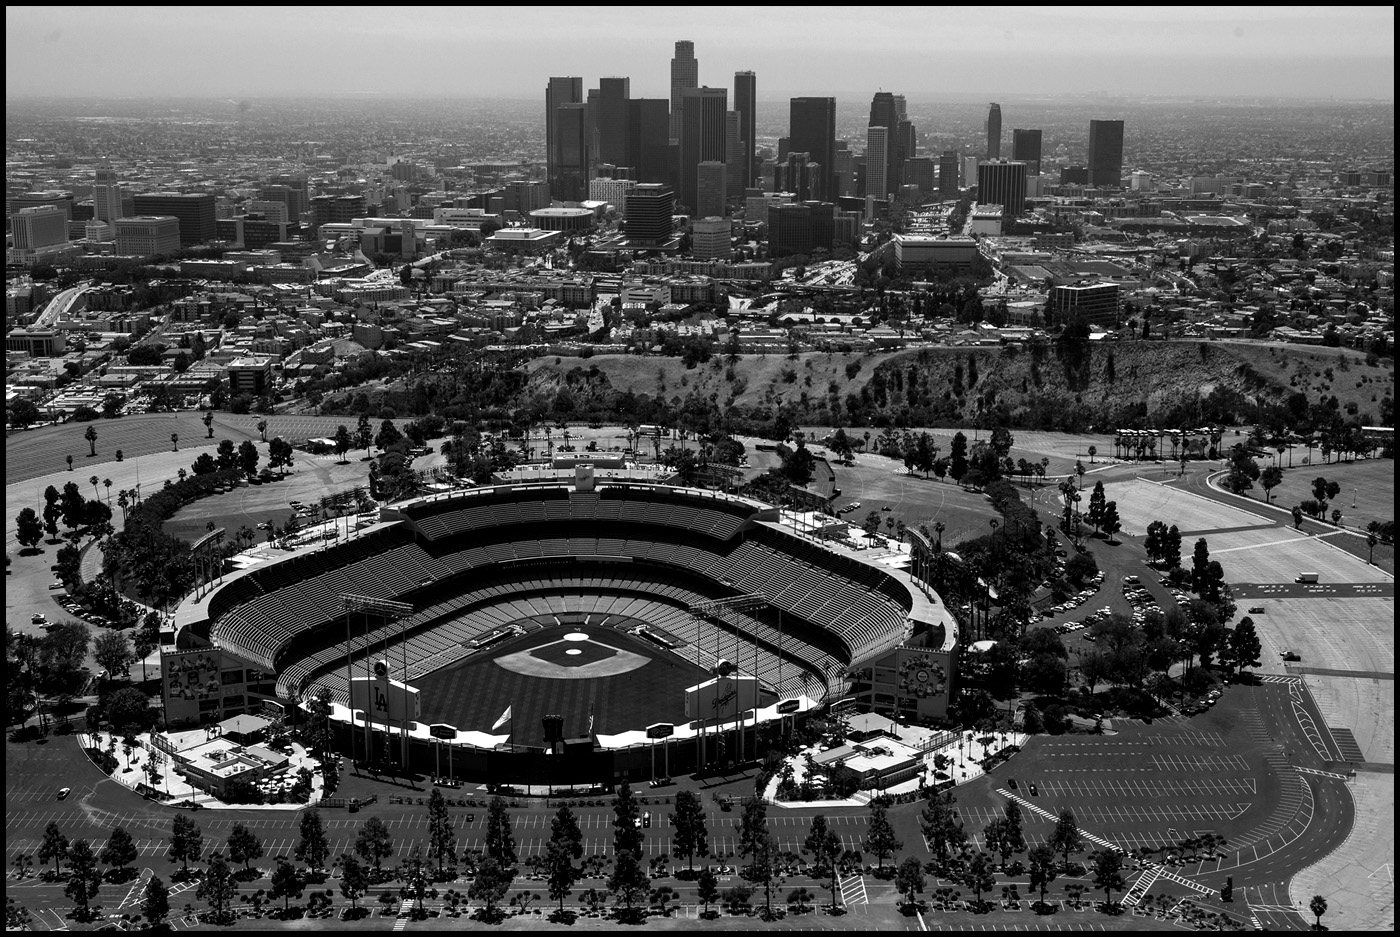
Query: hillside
x,y
1067,389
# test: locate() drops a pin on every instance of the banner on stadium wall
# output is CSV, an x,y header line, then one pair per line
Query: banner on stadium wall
x,y
384,698
721,697
583,477
922,679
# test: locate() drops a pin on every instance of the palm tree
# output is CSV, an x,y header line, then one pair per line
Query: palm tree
x,y
70,463
175,441
209,423
93,481
938,528
91,437
107,483
122,502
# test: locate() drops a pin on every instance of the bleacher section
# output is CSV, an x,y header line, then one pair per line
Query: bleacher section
x,y
469,564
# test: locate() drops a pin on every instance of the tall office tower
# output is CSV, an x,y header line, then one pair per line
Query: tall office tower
x,y
649,210
1002,182
877,161
745,102
649,140
994,132
613,94
901,107
1106,153
592,103
703,131
710,189
812,130
570,182
559,91
799,229
194,209
845,170
794,174
43,226
685,73
885,112
948,175
292,190
922,171
1025,146
734,154
106,196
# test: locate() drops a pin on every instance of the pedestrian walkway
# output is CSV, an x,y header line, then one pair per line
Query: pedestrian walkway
x,y
853,890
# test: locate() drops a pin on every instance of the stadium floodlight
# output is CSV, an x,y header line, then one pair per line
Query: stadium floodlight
x,y
387,608
718,609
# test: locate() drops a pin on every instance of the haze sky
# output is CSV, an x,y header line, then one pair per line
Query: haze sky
x,y
250,52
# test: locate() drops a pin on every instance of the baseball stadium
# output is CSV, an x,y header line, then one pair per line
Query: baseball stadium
x,y
553,632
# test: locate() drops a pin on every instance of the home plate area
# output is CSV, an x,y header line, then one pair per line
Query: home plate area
x,y
571,669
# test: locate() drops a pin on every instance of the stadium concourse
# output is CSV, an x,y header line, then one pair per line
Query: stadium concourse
x,y
632,611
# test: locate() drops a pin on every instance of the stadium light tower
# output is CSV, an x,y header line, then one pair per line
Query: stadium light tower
x,y
394,611
717,609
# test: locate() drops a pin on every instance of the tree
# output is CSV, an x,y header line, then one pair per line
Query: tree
x,y
312,848
628,881
127,710
1013,831
1243,471
243,845
388,435
1108,873
1042,860
364,433
879,837
226,454
1110,521
155,902
280,455
1269,479
218,888
248,457
689,837
372,843
175,441
415,876
559,870
286,883
119,851
91,436
1066,838
442,839
342,440
186,841
707,887
910,879
978,875
627,835
112,651
84,880
354,880
29,529
1245,646
23,412
825,847
53,846
209,423
491,883
500,840
958,456
1171,548
1318,906
1097,502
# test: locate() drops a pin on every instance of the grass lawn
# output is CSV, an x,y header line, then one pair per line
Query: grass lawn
x,y
1368,482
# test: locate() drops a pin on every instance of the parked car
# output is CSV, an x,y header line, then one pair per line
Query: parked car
x,y
64,792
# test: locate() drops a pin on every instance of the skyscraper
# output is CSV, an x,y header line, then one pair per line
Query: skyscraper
x,y
994,132
703,132
649,211
685,73
649,140
558,92
745,102
710,189
948,175
571,141
887,110
1106,153
734,154
1002,182
1025,146
877,153
613,94
812,130
106,196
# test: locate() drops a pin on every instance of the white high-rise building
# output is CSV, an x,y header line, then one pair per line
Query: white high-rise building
x,y
612,191
710,239
106,196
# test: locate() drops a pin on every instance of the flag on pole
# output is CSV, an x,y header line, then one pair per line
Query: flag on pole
x,y
503,721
